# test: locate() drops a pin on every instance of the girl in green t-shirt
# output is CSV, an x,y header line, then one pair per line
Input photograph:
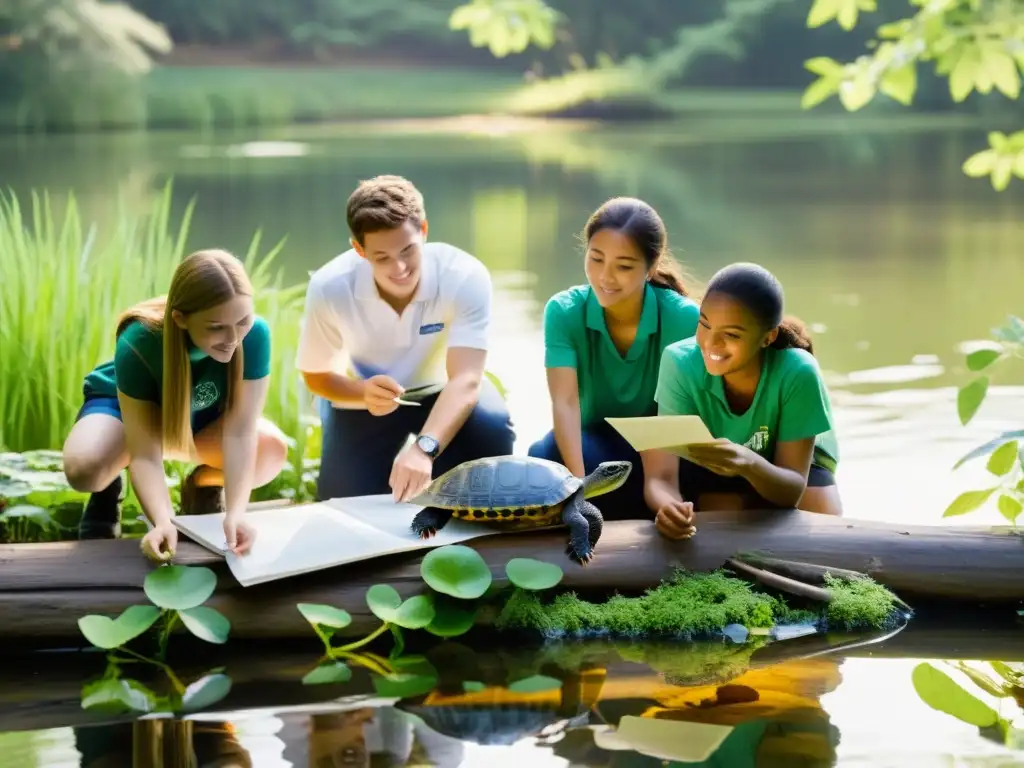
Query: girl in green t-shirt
x,y
603,343
751,376
188,381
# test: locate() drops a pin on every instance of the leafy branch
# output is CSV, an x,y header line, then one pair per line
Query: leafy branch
x,y
978,46
1005,457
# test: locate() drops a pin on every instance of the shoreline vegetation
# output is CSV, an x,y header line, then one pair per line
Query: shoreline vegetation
x,y
216,98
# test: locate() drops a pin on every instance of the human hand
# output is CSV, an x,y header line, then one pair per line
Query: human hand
x,y
238,534
160,542
410,473
675,519
379,393
723,457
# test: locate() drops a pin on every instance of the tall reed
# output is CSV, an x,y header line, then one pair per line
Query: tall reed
x,y
63,283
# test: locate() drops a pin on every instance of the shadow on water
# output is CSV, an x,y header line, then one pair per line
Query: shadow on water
x,y
803,701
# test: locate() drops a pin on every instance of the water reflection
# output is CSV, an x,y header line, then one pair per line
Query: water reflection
x,y
822,700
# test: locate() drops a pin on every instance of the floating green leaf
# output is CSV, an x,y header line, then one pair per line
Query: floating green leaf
x,y
205,692
451,620
180,587
968,501
401,685
456,570
383,601
206,623
328,672
535,684
320,615
939,691
528,573
415,613
970,397
104,632
386,604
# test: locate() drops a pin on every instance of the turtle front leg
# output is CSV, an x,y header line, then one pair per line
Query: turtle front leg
x,y
579,514
429,521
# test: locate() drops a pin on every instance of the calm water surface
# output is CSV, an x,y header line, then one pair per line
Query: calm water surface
x,y
894,258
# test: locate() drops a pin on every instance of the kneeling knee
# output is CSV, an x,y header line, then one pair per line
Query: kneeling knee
x,y
273,453
85,475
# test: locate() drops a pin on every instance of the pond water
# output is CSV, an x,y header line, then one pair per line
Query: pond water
x,y
894,258
843,700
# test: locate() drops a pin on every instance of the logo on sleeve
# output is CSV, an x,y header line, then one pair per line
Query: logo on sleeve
x,y
431,328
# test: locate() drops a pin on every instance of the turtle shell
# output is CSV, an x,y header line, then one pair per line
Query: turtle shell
x,y
498,482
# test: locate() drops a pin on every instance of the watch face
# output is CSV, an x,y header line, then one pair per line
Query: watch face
x,y
427,444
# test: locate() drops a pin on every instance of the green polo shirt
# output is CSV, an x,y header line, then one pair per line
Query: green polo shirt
x,y
137,367
610,384
791,401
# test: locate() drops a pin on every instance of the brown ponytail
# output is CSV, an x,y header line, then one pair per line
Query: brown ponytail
x,y
793,334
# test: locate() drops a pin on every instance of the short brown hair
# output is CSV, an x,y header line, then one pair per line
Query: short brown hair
x,y
383,202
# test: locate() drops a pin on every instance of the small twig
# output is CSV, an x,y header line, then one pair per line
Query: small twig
x,y
809,573
783,583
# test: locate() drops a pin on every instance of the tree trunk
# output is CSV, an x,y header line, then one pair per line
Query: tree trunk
x,y
45,588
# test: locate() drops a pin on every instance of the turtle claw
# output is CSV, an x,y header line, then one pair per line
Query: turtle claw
x,y
429,521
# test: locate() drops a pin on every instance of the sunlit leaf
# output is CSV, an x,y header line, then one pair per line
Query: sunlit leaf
x,y
900,84
104,632
456,570
206,623
179,587
987,448
980,359
970,397
980,164
818,91
1003,458
383,601
320,615
1009,507
968,501
205,692
528,573
822,11
939,691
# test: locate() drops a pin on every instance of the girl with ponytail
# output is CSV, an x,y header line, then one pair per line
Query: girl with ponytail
x,y
188,381
751,376
603,342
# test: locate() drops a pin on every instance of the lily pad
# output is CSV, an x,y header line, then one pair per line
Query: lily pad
x,y
527,573
205,692
29,513
939,691
320,615
401,686
180,587
206,623
328,672
535,684
107,633
383,601
456,570
451,620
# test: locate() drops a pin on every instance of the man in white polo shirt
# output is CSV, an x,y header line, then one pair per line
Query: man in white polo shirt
x,y
398,315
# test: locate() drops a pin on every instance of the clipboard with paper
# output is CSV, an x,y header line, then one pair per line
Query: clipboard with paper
x,y
667,433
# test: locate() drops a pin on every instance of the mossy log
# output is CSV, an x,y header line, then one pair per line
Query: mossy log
x,y
45,588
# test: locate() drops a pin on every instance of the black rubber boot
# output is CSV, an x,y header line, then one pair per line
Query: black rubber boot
x,y
207,500
101,518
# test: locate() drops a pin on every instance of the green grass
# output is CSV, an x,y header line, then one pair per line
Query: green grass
x,y
64,283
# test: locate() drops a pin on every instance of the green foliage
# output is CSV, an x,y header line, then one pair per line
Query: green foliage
x,y
527,573
955,688
1005,458
113,694
456,570
507,26
858,603
177,593
978,46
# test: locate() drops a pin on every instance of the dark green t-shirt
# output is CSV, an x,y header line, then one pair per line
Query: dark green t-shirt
x,y
791,401
611,384
137,367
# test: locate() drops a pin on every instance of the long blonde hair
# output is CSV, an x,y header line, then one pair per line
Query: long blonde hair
x,y
202,280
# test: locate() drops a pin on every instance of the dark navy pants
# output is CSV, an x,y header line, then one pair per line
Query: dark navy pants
x,y
359,448
601,442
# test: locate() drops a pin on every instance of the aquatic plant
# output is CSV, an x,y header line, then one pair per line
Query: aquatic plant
x,y
1005,458
176,594
115,694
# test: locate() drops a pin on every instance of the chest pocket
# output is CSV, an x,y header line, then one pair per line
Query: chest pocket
x,y
638,400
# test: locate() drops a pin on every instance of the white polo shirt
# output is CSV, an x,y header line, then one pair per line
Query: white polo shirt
x,y
349,329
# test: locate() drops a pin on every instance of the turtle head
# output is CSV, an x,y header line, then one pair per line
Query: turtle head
x,y
606,477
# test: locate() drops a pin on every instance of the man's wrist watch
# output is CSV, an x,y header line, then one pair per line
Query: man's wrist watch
x,y
428,445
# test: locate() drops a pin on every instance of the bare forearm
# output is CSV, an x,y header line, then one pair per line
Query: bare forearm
x,y
147,475
239,451
569,436
776,484
335,387
451,409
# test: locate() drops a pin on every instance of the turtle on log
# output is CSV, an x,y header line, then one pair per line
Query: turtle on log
x,y
522,491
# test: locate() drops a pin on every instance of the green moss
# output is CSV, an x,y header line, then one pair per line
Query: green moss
x,y
858,603
693,605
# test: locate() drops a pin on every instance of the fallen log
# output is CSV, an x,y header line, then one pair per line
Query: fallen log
x,y
45,588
